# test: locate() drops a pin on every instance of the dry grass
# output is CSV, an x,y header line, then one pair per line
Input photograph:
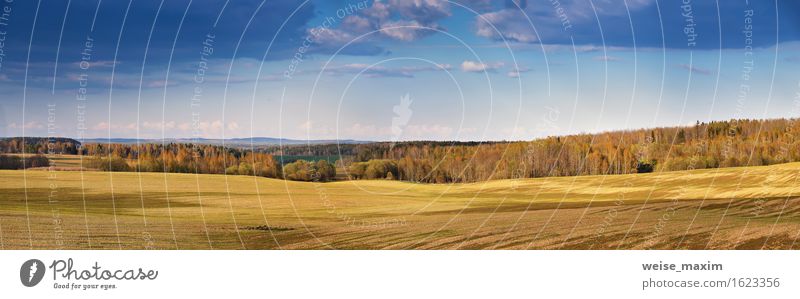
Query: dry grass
x,y
754,207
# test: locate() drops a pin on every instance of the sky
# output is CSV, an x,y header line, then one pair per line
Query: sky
x,y
391,70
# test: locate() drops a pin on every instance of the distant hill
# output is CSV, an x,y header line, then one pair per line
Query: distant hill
x,y
258,141
63,145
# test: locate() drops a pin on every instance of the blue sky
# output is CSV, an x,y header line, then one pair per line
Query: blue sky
x,y
391,70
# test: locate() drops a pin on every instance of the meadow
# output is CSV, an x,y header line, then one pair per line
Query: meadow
x,y
729,208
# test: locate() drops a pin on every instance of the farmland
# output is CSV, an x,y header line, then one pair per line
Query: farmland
x,y
739,207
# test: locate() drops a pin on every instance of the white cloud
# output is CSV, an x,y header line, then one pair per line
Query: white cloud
x,y
158,125
101,126
425,11
477,5
514,23
404,30
379,10
215,125
477,67
28,125
115,128
357,24
508,24
401,20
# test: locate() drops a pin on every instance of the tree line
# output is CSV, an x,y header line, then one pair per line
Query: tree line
x,y
180,158
169,157
704,145
39,145
17,162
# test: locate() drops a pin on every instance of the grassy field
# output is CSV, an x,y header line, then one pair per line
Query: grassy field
x,y
753,208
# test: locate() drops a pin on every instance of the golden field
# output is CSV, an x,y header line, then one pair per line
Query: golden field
x,y
749,207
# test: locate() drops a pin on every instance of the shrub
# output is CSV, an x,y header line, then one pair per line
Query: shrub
x,y
731,162
245,168
357,170
644,167
150,165
16,162
265,170
114,164
302,170
299,170
36,161
325,171
379,169
232,170
10,162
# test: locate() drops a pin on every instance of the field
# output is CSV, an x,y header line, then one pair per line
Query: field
x,y
743,208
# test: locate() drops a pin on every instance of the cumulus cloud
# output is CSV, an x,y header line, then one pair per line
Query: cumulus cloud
x,y
476,5
345,41
213,129
405,30
204,129
357,24
378,11
514,21
479,67
401,20
608,22
417,18
506,24
423,11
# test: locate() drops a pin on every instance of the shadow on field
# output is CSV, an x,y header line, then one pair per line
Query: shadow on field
x,y
71,200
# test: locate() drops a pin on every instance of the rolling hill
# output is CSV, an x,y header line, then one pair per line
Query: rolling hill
x,y
739,207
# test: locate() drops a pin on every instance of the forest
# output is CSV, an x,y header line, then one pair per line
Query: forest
x,y
39,145
705,145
